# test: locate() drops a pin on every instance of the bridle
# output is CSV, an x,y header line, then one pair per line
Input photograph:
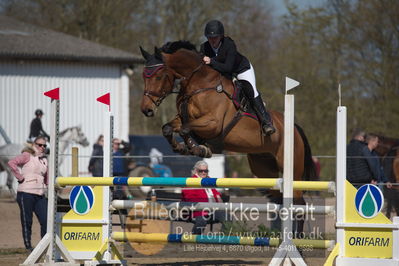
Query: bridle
x,y
151,70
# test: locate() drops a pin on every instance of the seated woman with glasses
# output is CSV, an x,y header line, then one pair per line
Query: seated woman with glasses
x,y
30,168
201,218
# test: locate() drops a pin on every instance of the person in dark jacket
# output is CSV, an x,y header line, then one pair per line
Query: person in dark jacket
x,y
373,160
119,165
36,128
220,52
362,162
357,170
96,161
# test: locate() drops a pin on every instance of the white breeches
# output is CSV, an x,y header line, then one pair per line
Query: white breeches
x,y
249,76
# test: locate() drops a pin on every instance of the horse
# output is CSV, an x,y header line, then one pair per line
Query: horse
x,y
66,138
209,121
388,149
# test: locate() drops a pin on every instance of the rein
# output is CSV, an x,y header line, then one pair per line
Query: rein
x,y
192,73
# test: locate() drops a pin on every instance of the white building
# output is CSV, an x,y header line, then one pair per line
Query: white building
x,y
34,60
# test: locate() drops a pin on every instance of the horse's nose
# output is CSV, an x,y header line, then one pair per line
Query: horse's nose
x,y
148,112
86,143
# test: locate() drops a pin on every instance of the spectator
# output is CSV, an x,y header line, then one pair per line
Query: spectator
x,y
30,168
36,128
119,165
96,161
201,218
373,161
357,170
159,169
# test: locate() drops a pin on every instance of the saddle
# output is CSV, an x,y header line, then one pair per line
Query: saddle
x,y
241,101
242,105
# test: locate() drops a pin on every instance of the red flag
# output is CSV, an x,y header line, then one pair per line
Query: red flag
x,y
53,94
105,99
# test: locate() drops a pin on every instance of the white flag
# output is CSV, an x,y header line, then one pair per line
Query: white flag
x,y
290,83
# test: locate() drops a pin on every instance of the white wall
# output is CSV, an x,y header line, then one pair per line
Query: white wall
x,y
22,84
216,165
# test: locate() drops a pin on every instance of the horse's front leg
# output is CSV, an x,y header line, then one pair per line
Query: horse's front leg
x,y
206,127
168,130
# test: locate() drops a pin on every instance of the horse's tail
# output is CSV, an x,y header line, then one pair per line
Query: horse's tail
x,y
309,172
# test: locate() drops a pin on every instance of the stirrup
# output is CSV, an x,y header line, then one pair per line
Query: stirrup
x,y
268,130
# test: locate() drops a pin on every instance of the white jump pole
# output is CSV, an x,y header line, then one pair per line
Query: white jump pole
x,y
107,171
51,240
107,256
341,175
287,250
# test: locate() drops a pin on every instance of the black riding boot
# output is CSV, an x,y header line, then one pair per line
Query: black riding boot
x,y
263,116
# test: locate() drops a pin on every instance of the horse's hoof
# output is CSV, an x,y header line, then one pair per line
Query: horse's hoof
x,y
181,148
205,151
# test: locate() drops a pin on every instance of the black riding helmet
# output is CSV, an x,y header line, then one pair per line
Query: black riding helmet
x,y
38,112
214,28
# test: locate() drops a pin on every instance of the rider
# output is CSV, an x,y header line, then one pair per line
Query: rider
x,y
220,53
36,128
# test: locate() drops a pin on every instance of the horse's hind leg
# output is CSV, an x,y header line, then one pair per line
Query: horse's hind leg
x,y
299,170
265,166
299,219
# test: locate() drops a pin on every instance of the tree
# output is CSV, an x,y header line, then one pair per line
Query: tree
x,y
352,43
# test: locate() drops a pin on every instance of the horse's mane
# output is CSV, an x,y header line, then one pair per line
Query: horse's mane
x,y
171,47
66,130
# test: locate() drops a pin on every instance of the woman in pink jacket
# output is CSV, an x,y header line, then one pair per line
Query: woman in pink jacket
x,y
30,168
201,218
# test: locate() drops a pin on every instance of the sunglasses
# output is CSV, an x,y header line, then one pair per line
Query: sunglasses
x,y
41,145
203,171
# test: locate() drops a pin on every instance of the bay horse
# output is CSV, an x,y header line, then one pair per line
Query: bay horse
x,y
209,121
388,149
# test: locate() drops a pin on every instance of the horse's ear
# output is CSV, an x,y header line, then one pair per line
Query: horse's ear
x,y
145,54
158,53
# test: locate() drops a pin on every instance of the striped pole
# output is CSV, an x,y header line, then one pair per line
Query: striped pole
x,y
247,183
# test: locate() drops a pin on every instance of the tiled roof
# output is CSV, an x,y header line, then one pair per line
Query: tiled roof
x,y
19,40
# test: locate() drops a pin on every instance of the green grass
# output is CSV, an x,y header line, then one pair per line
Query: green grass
x,y
12,251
